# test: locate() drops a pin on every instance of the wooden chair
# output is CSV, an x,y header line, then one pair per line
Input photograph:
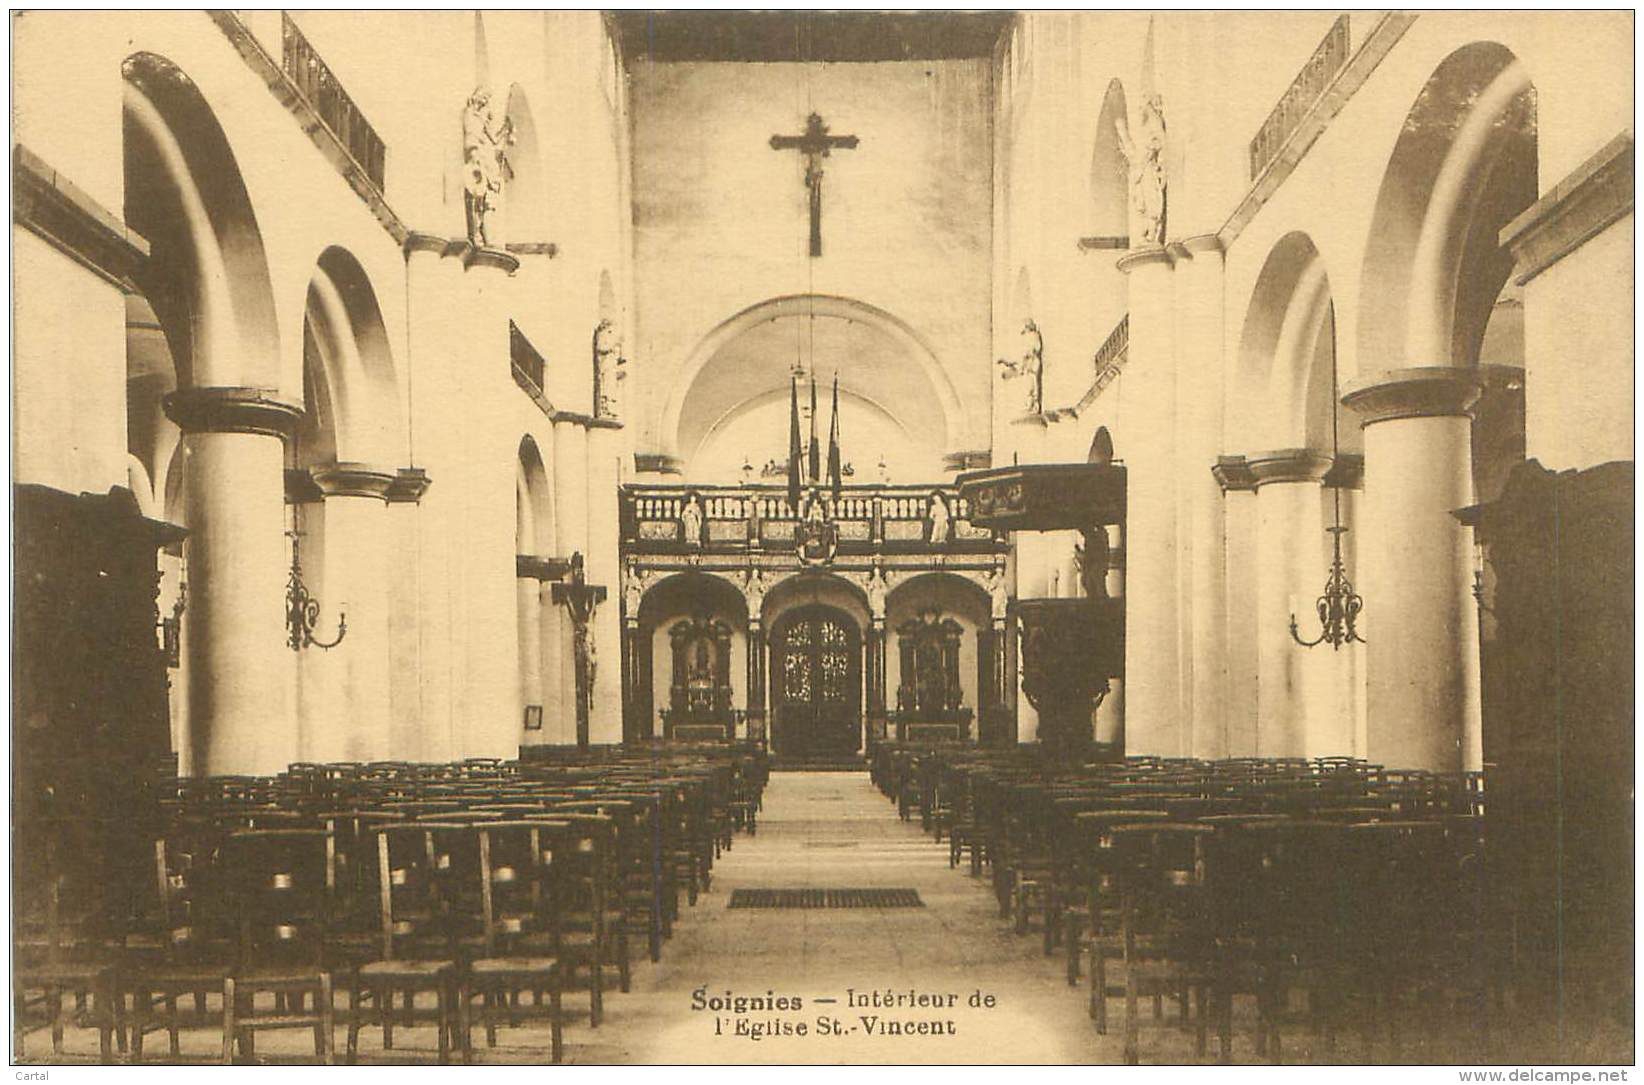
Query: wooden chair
x,y
190,948
62,942
414,943
281,881
591,930
518,904
1165,929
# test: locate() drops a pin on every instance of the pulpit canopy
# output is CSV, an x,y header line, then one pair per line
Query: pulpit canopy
x,y
1045,496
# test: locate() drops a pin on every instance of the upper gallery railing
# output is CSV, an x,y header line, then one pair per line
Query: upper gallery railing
x,y
1305,90
315,82
756,518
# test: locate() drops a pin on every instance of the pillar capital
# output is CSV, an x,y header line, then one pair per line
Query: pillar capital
x,y
490,258
232,410
1199,243
1417,392
410,483
434,244
1233,474
1288,465
1144,257
354,480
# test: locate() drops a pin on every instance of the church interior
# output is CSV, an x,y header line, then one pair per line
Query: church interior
x,y
613,541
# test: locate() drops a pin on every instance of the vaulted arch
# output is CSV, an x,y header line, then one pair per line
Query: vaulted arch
x,y
1465,164
749,358
207,277
1282,396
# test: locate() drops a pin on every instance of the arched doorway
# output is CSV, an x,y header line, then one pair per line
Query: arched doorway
x,y
816,683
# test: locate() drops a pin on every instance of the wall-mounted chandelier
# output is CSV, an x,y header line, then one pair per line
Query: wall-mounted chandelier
x,y
302,609
1338,608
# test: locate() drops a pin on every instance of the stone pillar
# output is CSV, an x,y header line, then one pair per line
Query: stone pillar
x,y
636,680
404,575
241,718
756,676
1239,613
1110,714
1200,530
1420,621
873,669
436,291
1032,559
528,603
1290,574
604,567
490,722
1154,702
570,536
356,583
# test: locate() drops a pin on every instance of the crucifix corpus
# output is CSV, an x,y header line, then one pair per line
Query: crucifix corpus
x,y
814,144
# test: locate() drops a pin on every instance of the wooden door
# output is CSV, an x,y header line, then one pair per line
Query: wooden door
x,y
816,674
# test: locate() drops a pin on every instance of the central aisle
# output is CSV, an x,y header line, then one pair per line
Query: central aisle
x,y
833,830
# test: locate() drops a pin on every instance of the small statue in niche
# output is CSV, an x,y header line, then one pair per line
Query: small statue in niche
x,y
485,142
877,591
937,518
610,370
690,520
1029,368
1148,181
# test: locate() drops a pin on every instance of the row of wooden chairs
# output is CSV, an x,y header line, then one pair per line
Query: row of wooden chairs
x,y
1364,888
476,881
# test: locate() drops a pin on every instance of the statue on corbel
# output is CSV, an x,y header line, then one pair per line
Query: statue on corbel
x,y
633,591
485,142
877,591
998,593
1028,367
1148,180
753,590
610,370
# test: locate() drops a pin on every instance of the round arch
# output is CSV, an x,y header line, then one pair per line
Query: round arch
x,y
1283,396
1109,171
808,587
1464,165
533,523
936,387
342,318
207,277
525,208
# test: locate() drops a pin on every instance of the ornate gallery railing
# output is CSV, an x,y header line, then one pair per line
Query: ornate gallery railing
x,y
315,82
731,519
1304,92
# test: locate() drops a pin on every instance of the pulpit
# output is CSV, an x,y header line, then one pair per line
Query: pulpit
x,y
1072,649
929,699
699,702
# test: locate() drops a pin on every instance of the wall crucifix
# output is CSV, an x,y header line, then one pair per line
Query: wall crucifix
x,y
814,144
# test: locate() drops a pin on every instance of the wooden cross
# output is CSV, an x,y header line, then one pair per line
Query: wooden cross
x,y
814,144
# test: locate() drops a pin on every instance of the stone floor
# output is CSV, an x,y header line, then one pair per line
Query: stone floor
x,y
834,830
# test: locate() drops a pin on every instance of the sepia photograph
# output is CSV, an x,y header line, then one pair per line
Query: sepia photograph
x,y
814,537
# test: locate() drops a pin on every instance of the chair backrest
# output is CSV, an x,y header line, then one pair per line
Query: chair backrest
x,y
411,914
282,882
191,916
518,893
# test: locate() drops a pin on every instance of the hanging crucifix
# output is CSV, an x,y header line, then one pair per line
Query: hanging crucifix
x,y
814,145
